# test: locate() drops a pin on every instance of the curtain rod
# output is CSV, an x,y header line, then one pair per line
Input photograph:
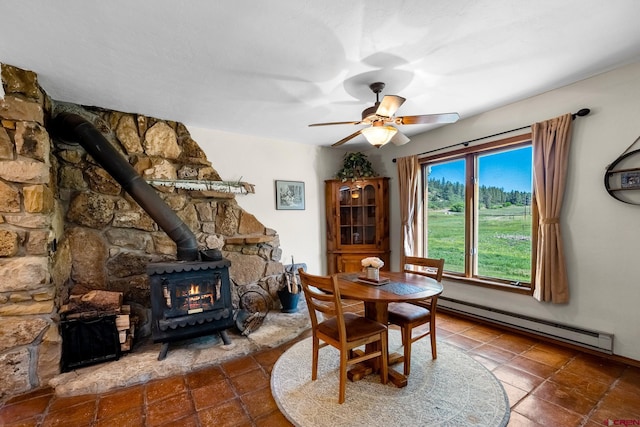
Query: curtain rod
x,y
581,113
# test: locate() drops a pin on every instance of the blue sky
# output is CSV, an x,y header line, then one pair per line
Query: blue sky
x,y
509,170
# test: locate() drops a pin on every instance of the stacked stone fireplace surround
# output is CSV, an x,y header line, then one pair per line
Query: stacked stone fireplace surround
x,y
67,227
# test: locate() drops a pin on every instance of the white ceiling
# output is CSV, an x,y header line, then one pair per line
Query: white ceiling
x,y
270,68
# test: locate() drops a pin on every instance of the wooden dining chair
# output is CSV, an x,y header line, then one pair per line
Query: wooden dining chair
x,y
344,331
417,313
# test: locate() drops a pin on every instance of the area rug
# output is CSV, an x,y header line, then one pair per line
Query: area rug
x,y
453,390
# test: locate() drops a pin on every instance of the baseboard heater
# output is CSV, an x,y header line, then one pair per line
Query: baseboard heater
x,y
593,340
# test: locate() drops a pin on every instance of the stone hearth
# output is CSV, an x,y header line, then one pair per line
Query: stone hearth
x,y
142,365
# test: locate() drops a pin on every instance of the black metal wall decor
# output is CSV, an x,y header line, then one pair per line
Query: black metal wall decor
x,y
622,178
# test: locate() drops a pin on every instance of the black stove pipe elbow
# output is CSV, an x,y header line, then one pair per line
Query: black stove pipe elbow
x,y
73,127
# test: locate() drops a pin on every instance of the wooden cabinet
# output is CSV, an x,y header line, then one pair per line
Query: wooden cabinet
x,y
357,223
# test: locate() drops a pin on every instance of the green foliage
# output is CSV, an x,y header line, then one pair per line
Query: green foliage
x,y
457,207
355,166
443,194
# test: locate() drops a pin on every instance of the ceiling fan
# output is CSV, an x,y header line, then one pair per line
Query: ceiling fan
x,y
379,132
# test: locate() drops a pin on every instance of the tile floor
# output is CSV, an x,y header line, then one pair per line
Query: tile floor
x,y
547,385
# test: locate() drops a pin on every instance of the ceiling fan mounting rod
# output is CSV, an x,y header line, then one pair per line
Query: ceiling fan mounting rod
x,y
377,88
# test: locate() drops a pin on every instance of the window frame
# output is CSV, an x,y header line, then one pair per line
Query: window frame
x,y
471,195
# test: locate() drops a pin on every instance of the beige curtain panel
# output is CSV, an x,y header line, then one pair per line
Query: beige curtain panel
x,y
551,140
408,175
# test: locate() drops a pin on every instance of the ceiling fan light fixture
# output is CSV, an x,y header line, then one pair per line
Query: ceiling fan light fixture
x,y
379,135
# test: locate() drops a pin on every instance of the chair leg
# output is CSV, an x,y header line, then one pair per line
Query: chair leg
x,y
432,332
314,363
406,339
384,369
343,375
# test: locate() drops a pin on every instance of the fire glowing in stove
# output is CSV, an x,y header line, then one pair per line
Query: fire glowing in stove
x,y
190,298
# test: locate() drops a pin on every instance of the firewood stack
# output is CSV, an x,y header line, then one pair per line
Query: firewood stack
x,y
97,303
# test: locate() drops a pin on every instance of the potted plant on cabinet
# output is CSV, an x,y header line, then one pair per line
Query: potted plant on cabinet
x,y
355,166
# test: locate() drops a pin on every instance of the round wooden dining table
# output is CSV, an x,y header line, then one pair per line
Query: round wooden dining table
x,y
401,287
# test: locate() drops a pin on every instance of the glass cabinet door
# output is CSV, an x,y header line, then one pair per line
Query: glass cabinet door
x,y
357,214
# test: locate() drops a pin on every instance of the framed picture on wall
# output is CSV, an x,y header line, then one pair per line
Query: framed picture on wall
x,y
289,195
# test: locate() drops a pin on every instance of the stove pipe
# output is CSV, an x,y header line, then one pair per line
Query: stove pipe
x,y
73,127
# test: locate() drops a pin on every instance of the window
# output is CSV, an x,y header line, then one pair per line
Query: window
x,y
478,214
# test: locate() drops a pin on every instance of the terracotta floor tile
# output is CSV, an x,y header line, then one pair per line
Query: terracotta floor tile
x,y
547,356
517,420
250,381
626,390
610,416
65,402
517,378
260,402
552,347
44,391
481,333
617,404
631,379
188,421
213,394
29,422
268,358
593,390
595,368
442,333
492,352
130,418
461,342
240,366
22,409
77,415
455,325
514,394
120,401
229,414
514,343
546,413
490,364
203,377
531,366
567,397
163,388
274,419
170,409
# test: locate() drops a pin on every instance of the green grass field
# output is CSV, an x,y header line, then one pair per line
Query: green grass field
x,y
504,242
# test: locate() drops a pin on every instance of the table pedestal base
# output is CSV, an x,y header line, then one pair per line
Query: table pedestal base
x,y
361,370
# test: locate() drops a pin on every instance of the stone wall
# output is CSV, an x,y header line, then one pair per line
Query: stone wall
x,y
30,221
66,226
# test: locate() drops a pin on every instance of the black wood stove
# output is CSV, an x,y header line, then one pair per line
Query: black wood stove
x,y
189,299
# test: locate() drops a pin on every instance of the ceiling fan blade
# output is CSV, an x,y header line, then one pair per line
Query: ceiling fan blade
x,y
336,123
428,119
399,139
345,139
389,105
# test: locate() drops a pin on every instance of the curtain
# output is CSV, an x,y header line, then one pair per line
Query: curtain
x,y
408,176
551,140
